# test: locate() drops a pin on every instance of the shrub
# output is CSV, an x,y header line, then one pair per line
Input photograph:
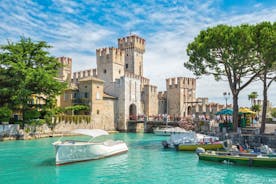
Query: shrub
x,y
5,114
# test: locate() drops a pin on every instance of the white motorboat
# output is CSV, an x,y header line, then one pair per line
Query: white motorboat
x,y
69,151
169,131
188,138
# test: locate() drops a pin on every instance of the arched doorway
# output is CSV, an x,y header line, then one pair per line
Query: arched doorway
x,y
132,112
189,110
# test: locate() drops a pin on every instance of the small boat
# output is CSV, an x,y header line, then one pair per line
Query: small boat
x,y
247,159
69,151
207,146
190,141
169,131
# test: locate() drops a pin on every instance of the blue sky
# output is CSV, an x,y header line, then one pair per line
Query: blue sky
x,y
77,28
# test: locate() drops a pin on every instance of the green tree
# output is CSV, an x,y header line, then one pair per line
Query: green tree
x,y
28,71
273,112
226,53
5,114
252,96
264,38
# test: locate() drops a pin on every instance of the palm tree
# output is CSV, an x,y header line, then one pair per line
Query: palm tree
x,y
252,96
256,108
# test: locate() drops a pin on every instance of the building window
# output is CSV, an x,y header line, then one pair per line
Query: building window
x,y
104,71
126,65
119,71
85,95
98,111
98,96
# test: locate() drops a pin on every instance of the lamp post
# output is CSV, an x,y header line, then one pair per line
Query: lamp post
x,y
226,96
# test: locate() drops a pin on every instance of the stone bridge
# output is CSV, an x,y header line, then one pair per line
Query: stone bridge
x,y
148,126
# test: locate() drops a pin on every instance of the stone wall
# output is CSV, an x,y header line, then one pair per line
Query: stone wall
x,y
9,130
61,125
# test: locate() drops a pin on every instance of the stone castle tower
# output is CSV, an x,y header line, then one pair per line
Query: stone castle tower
x,y
122,70
65,72
134,48
110,64
180,95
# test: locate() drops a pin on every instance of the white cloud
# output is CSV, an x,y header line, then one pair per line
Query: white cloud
x,y
167,28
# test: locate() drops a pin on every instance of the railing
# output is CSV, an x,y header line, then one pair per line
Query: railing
x,y
159,117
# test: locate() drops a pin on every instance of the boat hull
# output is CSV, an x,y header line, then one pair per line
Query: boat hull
x,y
240,160
76,152
169,131
193,147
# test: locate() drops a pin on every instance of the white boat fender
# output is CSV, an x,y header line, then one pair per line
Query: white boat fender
x,y
200,150
227,144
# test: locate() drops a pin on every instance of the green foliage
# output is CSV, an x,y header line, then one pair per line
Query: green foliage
x,y
31,114
252,96
77,108
72,119
37,122
226,52
265,47
256,108
223,51
273,112
5,114
27,70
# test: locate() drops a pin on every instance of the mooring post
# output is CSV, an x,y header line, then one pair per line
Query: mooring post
x,y
145,124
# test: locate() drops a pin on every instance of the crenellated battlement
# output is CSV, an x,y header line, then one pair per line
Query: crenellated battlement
x,y
132,42
181,82
109,51
65,60
143,80
150,88
84,73
110,54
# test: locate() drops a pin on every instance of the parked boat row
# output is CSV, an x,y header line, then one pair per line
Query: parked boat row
x,y
69,151
209,148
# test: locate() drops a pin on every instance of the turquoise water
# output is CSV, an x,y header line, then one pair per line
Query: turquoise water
x,y
146,162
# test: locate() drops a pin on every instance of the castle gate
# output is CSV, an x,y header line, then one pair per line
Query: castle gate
x,y
189,110
132,112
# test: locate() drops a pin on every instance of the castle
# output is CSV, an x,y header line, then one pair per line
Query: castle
x,y
117,91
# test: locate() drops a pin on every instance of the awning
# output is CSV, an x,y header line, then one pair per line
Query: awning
x,y
225,112
245,110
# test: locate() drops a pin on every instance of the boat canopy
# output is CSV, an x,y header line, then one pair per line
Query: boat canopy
x,y
90,132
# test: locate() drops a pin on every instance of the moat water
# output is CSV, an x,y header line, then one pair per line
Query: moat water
x,y
146,162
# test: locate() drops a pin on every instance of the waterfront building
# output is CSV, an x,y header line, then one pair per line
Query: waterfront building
x,y
117,90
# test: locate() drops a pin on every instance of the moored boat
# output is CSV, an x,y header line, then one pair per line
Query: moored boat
x,y
246,159
69,151
169,131
206,146
190,141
